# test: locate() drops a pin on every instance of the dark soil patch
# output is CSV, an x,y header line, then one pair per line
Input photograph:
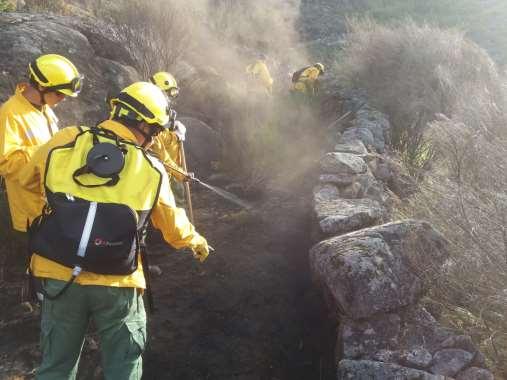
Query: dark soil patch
x,y
248,312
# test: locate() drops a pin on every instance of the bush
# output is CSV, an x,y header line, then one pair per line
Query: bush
x,y
157,34
7,6
446,101
54,6
415,72
464,197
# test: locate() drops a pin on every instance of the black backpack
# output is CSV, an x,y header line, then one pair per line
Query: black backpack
x,y
297,74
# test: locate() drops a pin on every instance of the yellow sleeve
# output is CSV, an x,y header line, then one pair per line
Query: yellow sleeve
x,y
167,149
173,222
13,152
31,175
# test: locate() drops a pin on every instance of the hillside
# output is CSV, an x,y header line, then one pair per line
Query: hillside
x,y
482,20
374,247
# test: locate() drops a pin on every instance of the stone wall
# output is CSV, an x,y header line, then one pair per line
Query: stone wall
x,y
373,275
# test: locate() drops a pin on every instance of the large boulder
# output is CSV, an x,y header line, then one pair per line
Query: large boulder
x,y
378,269
104,63
203,146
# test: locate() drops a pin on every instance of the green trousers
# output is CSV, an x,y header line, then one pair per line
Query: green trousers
x,y
119,317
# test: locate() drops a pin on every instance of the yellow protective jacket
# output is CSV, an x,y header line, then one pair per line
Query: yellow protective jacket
x,y
307,81
260,71
23,128
171,221
167,148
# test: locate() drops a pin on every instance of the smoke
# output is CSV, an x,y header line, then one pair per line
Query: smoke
x,y
229,34
207,45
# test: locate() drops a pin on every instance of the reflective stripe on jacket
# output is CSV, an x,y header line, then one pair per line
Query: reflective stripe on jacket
x,y
23,128
172,221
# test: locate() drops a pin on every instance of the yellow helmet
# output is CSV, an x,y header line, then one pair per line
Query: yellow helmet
x,y
56,73
319,66
166,82
145,101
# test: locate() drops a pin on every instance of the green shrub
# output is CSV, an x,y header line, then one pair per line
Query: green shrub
x,y
6,6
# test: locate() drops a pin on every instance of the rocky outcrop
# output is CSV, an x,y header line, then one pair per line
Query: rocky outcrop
x,y
374,275
379,269
106,66
104,63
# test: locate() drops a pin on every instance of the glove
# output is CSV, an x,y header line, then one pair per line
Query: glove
x,y
180,130
201,250
190,177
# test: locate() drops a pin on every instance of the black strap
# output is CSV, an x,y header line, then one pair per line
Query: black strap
x,y
52,297
96,131
135,104
147,276
115,178
37,72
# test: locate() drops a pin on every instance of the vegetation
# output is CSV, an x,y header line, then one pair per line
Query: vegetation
x,y
414,73
446,101
6,6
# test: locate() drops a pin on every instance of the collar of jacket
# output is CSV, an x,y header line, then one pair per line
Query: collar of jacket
x,y
119,129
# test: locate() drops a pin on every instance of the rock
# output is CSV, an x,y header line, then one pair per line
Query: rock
x,y
338,180
370,370
353,186
343,164
449,362
406,338
383,172
203,146
479,360
324,193
463,342
387,356
378,269
104,63
377,123
363,134
353,147
338,216
376,131
351,192
475,373
417,358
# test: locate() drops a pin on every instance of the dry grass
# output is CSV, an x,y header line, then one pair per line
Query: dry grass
x,y
445,94
464,197
413,72
155,34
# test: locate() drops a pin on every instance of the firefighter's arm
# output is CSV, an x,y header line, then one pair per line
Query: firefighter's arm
x,y
13,153
175,226
175,170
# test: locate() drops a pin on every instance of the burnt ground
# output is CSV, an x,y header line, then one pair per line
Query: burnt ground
x,y
249,312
